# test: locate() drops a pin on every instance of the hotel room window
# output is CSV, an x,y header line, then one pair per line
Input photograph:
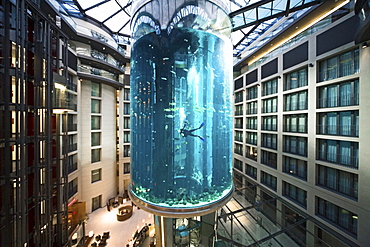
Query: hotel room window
x,y
238,123
295,193
95,122
126,122
344,64
252,93
72,163
296,101
251,171
95,139
251,152
239,97
296,123
339,181
269,105
295,145
343,153
296,79
238,136
95,105
340,94
95,175
238,149
251,123
95,155
269,159
72,187
238,110
95,203
295,167
126,137
345,123
269,87
126,168
251,138
269,141
126,151
95,89
269,123
238,165
340,217
269,180
126,94
126,108
252,108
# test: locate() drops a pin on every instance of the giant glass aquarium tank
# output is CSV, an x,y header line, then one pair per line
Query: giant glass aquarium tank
x,y
181,115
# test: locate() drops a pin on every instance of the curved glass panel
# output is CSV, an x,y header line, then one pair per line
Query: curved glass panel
x,y
181,108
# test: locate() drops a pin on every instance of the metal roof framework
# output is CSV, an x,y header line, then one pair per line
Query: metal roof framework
x,y
250,18
255,19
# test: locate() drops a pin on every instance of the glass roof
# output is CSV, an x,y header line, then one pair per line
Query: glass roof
x,y
251,18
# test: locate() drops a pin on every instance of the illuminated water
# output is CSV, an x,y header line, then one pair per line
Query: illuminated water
x,y
181,118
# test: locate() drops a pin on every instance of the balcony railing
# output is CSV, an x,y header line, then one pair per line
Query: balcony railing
x,y
336,101
72,147
239,112
271,127
72,191
238,126
339,159
251,126
268,162
295,128
343,130
72,167
99,72
238,138
295,150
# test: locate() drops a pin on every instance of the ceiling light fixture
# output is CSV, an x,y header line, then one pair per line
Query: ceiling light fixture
x,y
299,31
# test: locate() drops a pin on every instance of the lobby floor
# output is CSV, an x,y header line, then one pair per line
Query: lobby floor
x,y
121,233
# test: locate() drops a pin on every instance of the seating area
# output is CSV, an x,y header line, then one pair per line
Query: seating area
x,y
121,232
140,236
100,240
124,213
114,202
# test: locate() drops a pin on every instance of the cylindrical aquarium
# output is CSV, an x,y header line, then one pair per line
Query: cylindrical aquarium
x,y
181,115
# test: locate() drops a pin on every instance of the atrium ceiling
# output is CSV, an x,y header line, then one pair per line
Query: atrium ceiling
x,y
250,18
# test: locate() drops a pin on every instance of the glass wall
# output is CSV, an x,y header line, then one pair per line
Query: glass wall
x,y
181,110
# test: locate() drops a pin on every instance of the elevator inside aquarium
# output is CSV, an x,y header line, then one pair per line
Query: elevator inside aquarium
x,y
181,112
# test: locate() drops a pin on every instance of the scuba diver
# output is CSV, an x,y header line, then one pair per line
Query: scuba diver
x,y
184,132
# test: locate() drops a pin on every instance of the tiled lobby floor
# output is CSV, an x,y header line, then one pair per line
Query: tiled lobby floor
x,y
120,232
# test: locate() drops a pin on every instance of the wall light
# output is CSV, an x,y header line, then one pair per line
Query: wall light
x,y
364,45
310,65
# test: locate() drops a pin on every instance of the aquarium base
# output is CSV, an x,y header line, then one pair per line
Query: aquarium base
x,y
177,212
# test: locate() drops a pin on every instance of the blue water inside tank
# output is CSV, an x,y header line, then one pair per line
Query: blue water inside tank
x,y
181,118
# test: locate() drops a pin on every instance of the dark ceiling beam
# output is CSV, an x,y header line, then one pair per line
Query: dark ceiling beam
x,y
97,5
123,26
79,7
245,36
249,7
109,17
272,16
124,7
